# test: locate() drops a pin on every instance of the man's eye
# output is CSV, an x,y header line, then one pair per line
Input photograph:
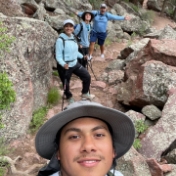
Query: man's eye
x,y
74,137
99,135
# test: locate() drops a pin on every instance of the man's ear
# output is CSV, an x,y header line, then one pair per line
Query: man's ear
x,y
58,155
114,153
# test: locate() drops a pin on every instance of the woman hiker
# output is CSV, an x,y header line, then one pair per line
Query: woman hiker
x,y
66,56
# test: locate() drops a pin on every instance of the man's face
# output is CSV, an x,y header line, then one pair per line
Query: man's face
x,y
102,10
86,148
87,17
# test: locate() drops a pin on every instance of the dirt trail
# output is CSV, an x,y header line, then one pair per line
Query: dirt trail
x,y
160,21
24,146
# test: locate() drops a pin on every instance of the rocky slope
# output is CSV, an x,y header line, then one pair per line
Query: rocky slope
x,y
131,78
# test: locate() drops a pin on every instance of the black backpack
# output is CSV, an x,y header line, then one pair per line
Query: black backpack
x,y
78,35
52,167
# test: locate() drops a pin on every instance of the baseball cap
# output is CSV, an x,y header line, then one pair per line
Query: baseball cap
x,y
103,5
69,21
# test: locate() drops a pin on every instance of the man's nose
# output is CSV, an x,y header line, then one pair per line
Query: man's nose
x,y
88,145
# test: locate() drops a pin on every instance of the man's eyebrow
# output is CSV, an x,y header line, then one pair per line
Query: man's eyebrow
x,y
72,129
79,130
100,127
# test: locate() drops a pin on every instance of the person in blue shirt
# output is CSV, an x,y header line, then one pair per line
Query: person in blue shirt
x,y
66,55
98,32
82,30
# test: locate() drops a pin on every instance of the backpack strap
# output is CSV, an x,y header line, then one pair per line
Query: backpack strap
x,y
98,13
81,28
110,174
63,51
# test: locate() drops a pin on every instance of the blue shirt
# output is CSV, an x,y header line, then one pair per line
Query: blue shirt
x,y
70,54
84,35
100,21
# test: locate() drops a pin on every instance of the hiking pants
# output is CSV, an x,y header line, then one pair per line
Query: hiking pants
x,y
79,71
84,52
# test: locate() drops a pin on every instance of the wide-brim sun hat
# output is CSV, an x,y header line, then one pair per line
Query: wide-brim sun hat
x,y
122,127
84,14
68,21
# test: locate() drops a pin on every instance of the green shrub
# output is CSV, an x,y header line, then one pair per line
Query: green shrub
x,y
140,126
137,144
148,16
55,73
38,118
4,149
135,7
53,96
1,124
7,94
107,42
5,39
95,4
170,12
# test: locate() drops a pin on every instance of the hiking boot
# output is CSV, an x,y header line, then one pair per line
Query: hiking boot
x,y
70,100
88,96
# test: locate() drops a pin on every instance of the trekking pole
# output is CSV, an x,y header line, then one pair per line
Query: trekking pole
x,y
64,86
65,82
90,65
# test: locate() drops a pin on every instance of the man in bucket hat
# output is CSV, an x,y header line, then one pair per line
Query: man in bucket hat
x,y
85,140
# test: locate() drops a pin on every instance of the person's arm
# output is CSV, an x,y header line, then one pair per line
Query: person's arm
x,y
80,56
59,52
77,29
117,17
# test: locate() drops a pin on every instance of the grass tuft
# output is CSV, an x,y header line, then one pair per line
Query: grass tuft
x,y
38,118
53,96
140,126
137,144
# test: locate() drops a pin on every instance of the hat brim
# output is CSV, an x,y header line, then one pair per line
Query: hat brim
x,y
122,126
83,16
69,23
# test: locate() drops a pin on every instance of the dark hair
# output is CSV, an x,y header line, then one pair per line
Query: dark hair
x,y
58,136
84,14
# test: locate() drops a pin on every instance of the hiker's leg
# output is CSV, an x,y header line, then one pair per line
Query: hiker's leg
x,y
81,51
84,75
91,48
68,74
61,72
65,78
93,38
101,40
102,49
85,52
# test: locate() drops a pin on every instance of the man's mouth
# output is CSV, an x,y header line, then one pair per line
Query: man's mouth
x,y
88,162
